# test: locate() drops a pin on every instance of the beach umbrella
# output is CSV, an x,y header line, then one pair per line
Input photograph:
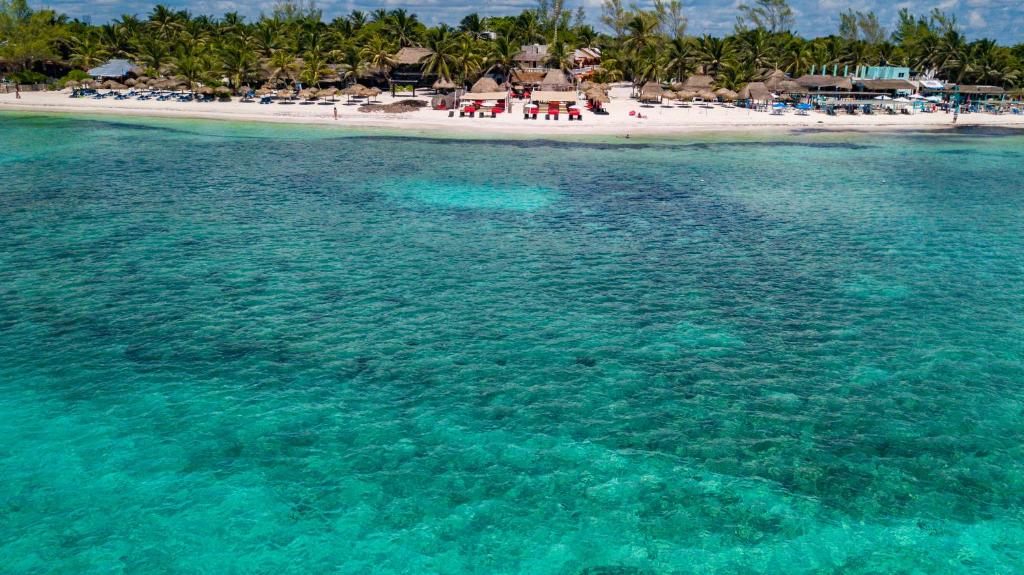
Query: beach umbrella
x,y
484,85
329,92
934,99
598,96
205,90
883,97
71,84
685,95
901,99
222,91
131,82
357,90
264,91
707,95
727,94
443,84
804,106
778,106
668,95
917,97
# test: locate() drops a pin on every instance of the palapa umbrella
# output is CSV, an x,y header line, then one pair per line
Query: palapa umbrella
x,y
373,92
443,84
668,95
205,90
485,85
685,95
131,82
264,91
222,91
71,84
707,95
357,90
727,94
330,93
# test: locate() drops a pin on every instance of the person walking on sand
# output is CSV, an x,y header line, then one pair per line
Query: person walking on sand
x,y
17,92
335,112
956,112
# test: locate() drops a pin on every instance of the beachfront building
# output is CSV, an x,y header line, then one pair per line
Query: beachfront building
x,y
116,69
883,73
532,57
408,70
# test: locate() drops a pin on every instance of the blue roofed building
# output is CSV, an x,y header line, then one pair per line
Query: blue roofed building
x,y
116,68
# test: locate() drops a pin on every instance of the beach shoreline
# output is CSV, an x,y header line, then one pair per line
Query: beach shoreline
x,y
658,122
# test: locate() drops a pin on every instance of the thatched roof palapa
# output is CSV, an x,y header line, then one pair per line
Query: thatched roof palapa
x,y
444,84
685,95
756,91
485,84
727,94
650,91
555,81
708,95
553,96
412,55
818,81
698,82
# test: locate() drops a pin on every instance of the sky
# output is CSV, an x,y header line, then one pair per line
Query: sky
x,y
1002,20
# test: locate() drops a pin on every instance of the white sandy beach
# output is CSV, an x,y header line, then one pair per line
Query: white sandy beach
x,y
657,120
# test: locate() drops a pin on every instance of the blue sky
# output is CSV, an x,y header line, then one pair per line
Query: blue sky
x,y
999,19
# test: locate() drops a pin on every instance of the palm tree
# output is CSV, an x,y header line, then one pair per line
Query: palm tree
x,y
715,54
283,66
441,60
681,58
237,62
191,66
402,27
164,21
315,67
502,56
641,32
560,56
378,53
796,57
86,52
467,57
152,53
352,64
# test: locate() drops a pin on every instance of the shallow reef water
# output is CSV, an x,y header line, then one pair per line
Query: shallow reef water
x,y
232,348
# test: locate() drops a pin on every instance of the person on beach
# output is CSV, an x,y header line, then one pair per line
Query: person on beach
x,y
335,112
17,92
956,112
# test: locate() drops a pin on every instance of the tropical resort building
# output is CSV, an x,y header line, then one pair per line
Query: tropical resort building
x,y
408,69
116,69
883,73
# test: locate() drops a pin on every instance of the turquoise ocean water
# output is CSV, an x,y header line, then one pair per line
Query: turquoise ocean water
x,y
278,349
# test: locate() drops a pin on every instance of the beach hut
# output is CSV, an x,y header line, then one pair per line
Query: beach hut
x,y
555,81
116,68
756,92
696,83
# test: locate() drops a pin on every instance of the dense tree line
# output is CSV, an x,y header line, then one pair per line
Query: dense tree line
x,y
294,43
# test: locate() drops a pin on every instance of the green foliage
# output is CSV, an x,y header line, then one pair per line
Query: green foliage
x,y
28,77
639,42
74,75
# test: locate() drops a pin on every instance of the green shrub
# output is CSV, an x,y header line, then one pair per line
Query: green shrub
x,y
28,77
76,75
